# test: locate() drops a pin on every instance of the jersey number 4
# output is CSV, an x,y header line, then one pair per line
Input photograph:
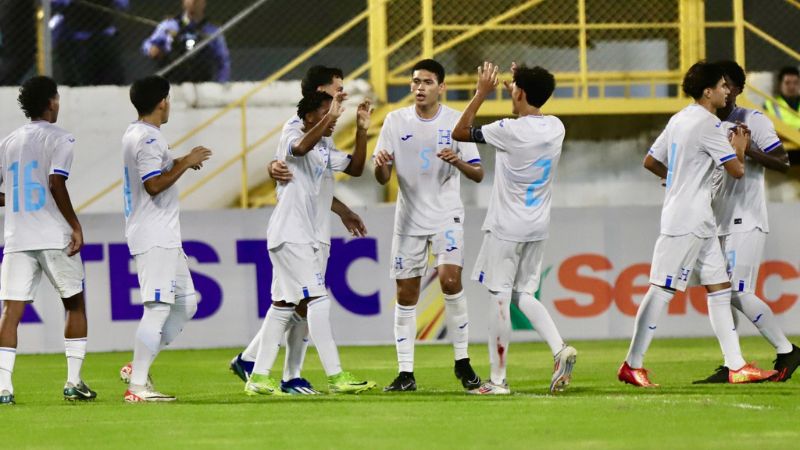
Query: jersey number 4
x,y
33,192
530,196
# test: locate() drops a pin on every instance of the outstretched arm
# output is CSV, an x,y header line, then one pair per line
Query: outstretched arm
x,y
487,81
192,160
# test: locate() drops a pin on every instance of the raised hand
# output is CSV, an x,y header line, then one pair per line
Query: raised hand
x,y
364,113
337,105
487,78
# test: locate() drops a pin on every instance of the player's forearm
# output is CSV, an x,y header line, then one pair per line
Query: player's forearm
x,y
359,157
161,183
339,208
461,132
655,166
2,199
383,174
58,189
472,171
777,159
310,139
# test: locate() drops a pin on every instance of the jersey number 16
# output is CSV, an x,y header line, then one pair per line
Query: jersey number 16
x,y
31,189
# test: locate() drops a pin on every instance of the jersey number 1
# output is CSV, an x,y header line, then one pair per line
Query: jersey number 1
x,y
31,188
530,196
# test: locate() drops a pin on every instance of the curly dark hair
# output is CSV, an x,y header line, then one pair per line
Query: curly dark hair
x,y
35,95
537,83
700,76
311,103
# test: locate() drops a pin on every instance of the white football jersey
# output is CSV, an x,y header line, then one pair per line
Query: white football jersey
x,y
430,189
28,156
338,163
528,150
692,145
741,205
296,218
150,221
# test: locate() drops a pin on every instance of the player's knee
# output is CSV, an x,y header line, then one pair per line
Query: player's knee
x,y
451,285
407,296
74,303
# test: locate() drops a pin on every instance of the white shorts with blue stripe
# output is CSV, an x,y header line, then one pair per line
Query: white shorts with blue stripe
x,y
298,272
163,275
506,266
743,252
679,259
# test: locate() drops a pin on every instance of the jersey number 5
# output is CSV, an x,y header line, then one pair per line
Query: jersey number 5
x,y
530,196
31,188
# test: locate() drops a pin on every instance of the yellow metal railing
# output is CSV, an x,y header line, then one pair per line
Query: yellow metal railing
x,y
397,39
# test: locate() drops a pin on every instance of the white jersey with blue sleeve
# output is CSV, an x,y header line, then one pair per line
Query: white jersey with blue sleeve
x,y
28,156
295,219
528,151
429,200
150,221
692,145
741,205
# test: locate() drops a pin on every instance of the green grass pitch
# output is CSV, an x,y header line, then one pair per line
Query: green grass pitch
x,y
596,412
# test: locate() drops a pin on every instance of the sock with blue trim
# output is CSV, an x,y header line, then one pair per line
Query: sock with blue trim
x,y
405,333
762,317
457,323
721,317
644,328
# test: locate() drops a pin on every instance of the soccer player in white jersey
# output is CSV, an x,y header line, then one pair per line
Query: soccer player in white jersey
x,y
416,142
740,211
152,228
293,239
518,220
686,153
317,79
42,232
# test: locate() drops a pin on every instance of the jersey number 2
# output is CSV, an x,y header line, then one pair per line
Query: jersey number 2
x,y
530,196
31,188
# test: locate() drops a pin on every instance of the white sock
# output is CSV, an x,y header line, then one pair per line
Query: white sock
x,y
540,319
499,334
319,327
7,357
148,340
644,328
251,351
721,317
75,350
405,333
296,346
457,323
762,317
179,314
272,330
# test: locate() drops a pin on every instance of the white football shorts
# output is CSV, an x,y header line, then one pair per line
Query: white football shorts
x,y
21,272
298,272
506,266
743,252
163,275
675,258
410,253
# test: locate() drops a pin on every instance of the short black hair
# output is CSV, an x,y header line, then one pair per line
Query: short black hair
x,y
311,103
146,93
537,83
317,76
35,95
700,76
733,71
787,70
431,66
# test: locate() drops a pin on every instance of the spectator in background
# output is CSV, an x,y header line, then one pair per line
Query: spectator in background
x,y
788,98
86,42
179,35
17,40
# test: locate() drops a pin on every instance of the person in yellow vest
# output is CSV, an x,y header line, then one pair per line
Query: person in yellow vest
x,y
787,104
